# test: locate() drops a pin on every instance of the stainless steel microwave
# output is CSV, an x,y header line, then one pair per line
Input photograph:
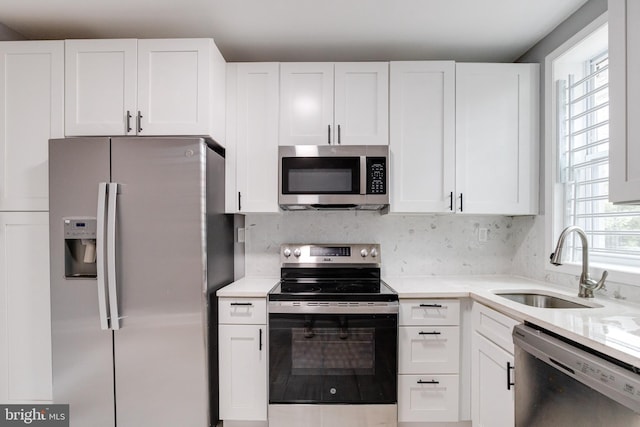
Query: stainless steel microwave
x,y
333,177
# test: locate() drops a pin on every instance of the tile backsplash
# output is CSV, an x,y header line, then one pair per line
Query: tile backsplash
x,y
418,245
410,244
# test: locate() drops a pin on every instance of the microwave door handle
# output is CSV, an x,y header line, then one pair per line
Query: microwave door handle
x,y
363,175
100,257
111,256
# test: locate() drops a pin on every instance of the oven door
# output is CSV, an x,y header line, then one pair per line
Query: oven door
x,y
333,358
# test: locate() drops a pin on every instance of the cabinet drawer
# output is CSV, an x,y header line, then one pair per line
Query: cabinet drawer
x,y
495,326
429,312
243,311
429,349
428,398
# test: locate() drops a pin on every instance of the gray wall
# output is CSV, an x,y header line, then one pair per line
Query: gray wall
x,y
7,33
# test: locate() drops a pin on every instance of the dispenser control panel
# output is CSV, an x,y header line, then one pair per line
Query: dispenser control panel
x,y
79,228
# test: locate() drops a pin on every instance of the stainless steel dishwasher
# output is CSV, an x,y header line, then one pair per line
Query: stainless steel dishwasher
x,y
559,383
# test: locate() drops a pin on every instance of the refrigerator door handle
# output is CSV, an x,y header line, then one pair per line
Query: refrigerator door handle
x,y
100,257
111,256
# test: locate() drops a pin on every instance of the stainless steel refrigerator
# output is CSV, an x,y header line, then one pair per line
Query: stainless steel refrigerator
x,y
139,245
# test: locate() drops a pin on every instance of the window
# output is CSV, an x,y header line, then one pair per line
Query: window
x,y
581,136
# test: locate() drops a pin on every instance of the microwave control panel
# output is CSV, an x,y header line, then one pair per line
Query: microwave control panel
x,y
376,175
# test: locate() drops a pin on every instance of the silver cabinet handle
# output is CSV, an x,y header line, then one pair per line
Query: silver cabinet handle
x,y
128,121
329,134
339,142
111,255
139,121
100,258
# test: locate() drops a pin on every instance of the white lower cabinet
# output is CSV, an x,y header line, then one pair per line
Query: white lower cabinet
x,y
25,328
429,361
492,369
243,360
428,398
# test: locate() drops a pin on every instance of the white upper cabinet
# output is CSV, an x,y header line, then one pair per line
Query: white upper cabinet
x,y
497,138
31,112
252,137
145,87
624,108
100,87
325,103
361,114
422,136
306,103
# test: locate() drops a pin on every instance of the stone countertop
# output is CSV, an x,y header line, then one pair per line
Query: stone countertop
x,y
611,327
249,287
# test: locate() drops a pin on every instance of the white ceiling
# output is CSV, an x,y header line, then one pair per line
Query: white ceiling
x,y
307,30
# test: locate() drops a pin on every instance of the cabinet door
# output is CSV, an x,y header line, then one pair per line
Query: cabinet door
x,y
306,103
361,114
31,112
497,138
100,87
422,136
25,329
492,399
257,137
624,87
243,372
174,87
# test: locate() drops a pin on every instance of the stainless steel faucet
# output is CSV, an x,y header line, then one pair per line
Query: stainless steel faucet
x,y
587,284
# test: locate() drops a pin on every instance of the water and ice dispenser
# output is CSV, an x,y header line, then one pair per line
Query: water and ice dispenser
x,y
80,248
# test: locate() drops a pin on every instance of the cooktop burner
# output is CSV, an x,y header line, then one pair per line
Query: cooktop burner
x,y
331,273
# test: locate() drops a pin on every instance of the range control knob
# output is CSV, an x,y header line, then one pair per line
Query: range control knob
x,y
373,253
363,253
286,252
297,252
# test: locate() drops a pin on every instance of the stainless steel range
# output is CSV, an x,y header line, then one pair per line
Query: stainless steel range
x,y
333,333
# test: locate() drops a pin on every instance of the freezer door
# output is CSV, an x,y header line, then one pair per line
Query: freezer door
x,y
82,351
160,348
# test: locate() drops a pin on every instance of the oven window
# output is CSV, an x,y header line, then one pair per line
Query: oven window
x,y
321,175
331,358
333,351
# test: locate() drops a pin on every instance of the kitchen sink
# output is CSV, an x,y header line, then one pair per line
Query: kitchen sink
x,y
544,300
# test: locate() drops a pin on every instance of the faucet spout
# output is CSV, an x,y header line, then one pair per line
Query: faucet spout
x,y
587,285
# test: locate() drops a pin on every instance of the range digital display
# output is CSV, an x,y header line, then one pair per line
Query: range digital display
x,y
330,251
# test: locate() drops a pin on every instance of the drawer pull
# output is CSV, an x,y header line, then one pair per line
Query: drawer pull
x,y
428,382
242,303
430,333
431,305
